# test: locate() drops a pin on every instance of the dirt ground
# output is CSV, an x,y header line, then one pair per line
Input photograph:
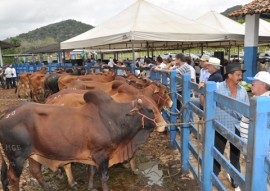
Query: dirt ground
x,y
158,165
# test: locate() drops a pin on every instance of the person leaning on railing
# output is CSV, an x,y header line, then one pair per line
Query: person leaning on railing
x,y
260,87
229,118
181,68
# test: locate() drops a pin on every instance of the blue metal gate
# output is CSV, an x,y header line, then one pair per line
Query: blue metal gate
x,y
256,150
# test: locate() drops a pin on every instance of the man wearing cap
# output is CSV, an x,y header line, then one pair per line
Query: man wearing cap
x,y
260,87
213,68
8,74
204,74
231,119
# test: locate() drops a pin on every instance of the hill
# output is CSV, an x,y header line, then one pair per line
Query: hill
x,y
231,9
51,34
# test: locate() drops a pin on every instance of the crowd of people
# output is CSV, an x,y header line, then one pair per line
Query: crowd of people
x,y
8,77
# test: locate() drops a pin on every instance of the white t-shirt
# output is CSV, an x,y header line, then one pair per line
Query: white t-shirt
x,y
162,65
14,73
192,73
244,124
111,63
8,72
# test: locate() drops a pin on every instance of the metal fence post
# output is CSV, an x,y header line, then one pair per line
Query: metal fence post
x,y
185,129
209,133
258,144
164,79
132,68
173,109
152,75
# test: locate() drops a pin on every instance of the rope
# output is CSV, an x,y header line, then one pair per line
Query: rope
x,y
13,99
188,123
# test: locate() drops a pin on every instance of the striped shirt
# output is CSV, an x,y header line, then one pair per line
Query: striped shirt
x,y
229,118
244,124
180,71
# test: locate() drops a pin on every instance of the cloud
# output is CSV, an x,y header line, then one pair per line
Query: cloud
x,y
17,16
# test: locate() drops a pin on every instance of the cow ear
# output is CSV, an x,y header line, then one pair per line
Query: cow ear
x,y
156,90
133,112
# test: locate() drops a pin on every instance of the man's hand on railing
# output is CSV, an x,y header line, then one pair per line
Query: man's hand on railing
x,y
201,84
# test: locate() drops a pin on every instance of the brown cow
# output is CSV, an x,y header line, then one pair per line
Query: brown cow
x,y
36,82
108,87
155,91
66,79
23,87
106,133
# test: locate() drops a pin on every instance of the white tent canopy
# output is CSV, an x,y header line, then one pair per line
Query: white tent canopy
x,y
264,26
144,25
219,21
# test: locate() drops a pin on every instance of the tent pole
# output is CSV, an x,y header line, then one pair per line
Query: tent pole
x,y
133,52
238,51
147,46
1,59
202,50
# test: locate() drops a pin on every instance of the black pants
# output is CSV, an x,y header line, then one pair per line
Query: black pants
x,y
179,105
2,82
220,143
13,82
9,82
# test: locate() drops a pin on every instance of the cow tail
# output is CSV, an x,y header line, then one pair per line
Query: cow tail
x,y
4,172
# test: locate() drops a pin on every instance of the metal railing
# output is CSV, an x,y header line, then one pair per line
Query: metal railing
x,y
255,151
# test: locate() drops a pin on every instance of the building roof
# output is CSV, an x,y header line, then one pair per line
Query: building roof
x,y
6,45
254,7
53,48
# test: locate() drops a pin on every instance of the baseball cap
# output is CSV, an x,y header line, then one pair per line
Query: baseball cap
x,y
205,57
262,76
214,61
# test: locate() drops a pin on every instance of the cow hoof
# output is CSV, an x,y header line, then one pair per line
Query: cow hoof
x,y
92,189
136,172
48,188
75,186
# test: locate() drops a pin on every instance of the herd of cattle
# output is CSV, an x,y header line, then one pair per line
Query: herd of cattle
x,y
95,119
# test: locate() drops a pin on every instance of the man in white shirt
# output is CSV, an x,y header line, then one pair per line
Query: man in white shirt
x,y
260,87
8,75
14,76
204,74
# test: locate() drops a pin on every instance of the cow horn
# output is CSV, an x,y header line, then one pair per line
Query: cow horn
x,y
133,111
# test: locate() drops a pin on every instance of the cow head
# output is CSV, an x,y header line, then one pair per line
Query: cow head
x,y
161,95
150,114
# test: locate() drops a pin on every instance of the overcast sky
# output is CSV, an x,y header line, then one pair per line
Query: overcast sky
x,y
21,16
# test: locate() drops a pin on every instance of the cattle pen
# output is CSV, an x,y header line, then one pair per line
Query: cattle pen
x,y
195,139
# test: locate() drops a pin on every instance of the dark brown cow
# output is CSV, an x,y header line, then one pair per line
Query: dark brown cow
x,y
74,98
101,133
